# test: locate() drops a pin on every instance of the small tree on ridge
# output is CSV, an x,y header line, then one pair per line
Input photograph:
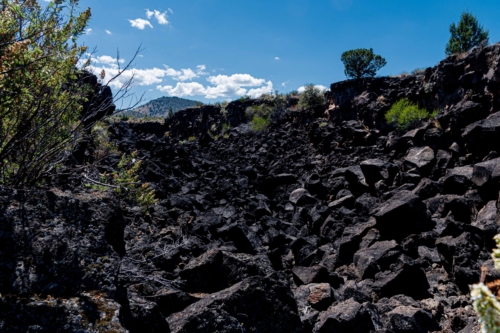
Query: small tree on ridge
x,y
466,35
361,63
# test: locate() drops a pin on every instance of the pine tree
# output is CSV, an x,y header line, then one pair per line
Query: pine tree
x,y
466,35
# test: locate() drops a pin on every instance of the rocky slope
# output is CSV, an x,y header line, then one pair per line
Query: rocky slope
x,y
324,222
159,107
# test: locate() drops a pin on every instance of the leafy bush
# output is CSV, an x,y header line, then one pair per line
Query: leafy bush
x,y
191,138
405,114
311,97
259,123
41,94
485,303
262,110
127,181
466,35
361,63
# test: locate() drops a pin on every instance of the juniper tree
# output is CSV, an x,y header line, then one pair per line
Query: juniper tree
x,y
360,63
466,35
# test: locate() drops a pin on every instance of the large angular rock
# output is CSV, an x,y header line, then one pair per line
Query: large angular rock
x,y
301,197
356,180
402,215
348,316
216,270
486,176
409,319
420,158
486,220
404,277
462,114
376,169
316,295
482,136
260,304
376,258
351,238
457,180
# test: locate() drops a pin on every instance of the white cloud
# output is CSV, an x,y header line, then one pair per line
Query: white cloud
x,y
200,70
222,86
140,23
170,11
184,89
183,74
256,92
107,60
319,86
108,32
236,79
160,17
88,31
276,58
283,84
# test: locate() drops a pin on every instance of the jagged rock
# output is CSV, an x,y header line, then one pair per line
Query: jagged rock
x,y
263,304
316,295
461,114
307,275
420,158
301,197
427,188
457,180
486,175
87,313
376,258
486,220
481,137
351,238
216,270
408,319
376,169
348,316
402,215
356,180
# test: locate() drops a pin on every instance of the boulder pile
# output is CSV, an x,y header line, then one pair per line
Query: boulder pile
x,y
323,222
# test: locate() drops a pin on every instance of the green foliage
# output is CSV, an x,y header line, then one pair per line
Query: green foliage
x,y
127,181
311,97
485,303
191,138
40,96
259,123
360,63
262,110
405,114
225,127
466,35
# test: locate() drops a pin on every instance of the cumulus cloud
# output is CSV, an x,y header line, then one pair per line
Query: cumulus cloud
x,y
318,86
221,86
140,23
108,32
184,89
160,17
107,60
88,31
276,58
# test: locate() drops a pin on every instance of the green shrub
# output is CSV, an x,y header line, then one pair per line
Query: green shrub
x,y
405,114
485,303
41,98
259,123
262,110
191,138
225,127
311,97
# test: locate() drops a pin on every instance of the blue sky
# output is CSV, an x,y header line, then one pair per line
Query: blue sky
x,y
214,50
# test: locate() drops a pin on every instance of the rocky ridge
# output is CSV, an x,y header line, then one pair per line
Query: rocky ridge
x,y
325,222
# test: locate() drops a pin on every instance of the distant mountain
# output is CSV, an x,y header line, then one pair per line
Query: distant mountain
x,y
159,107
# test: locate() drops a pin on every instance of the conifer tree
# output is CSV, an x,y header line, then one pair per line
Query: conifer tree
x,y
466,35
